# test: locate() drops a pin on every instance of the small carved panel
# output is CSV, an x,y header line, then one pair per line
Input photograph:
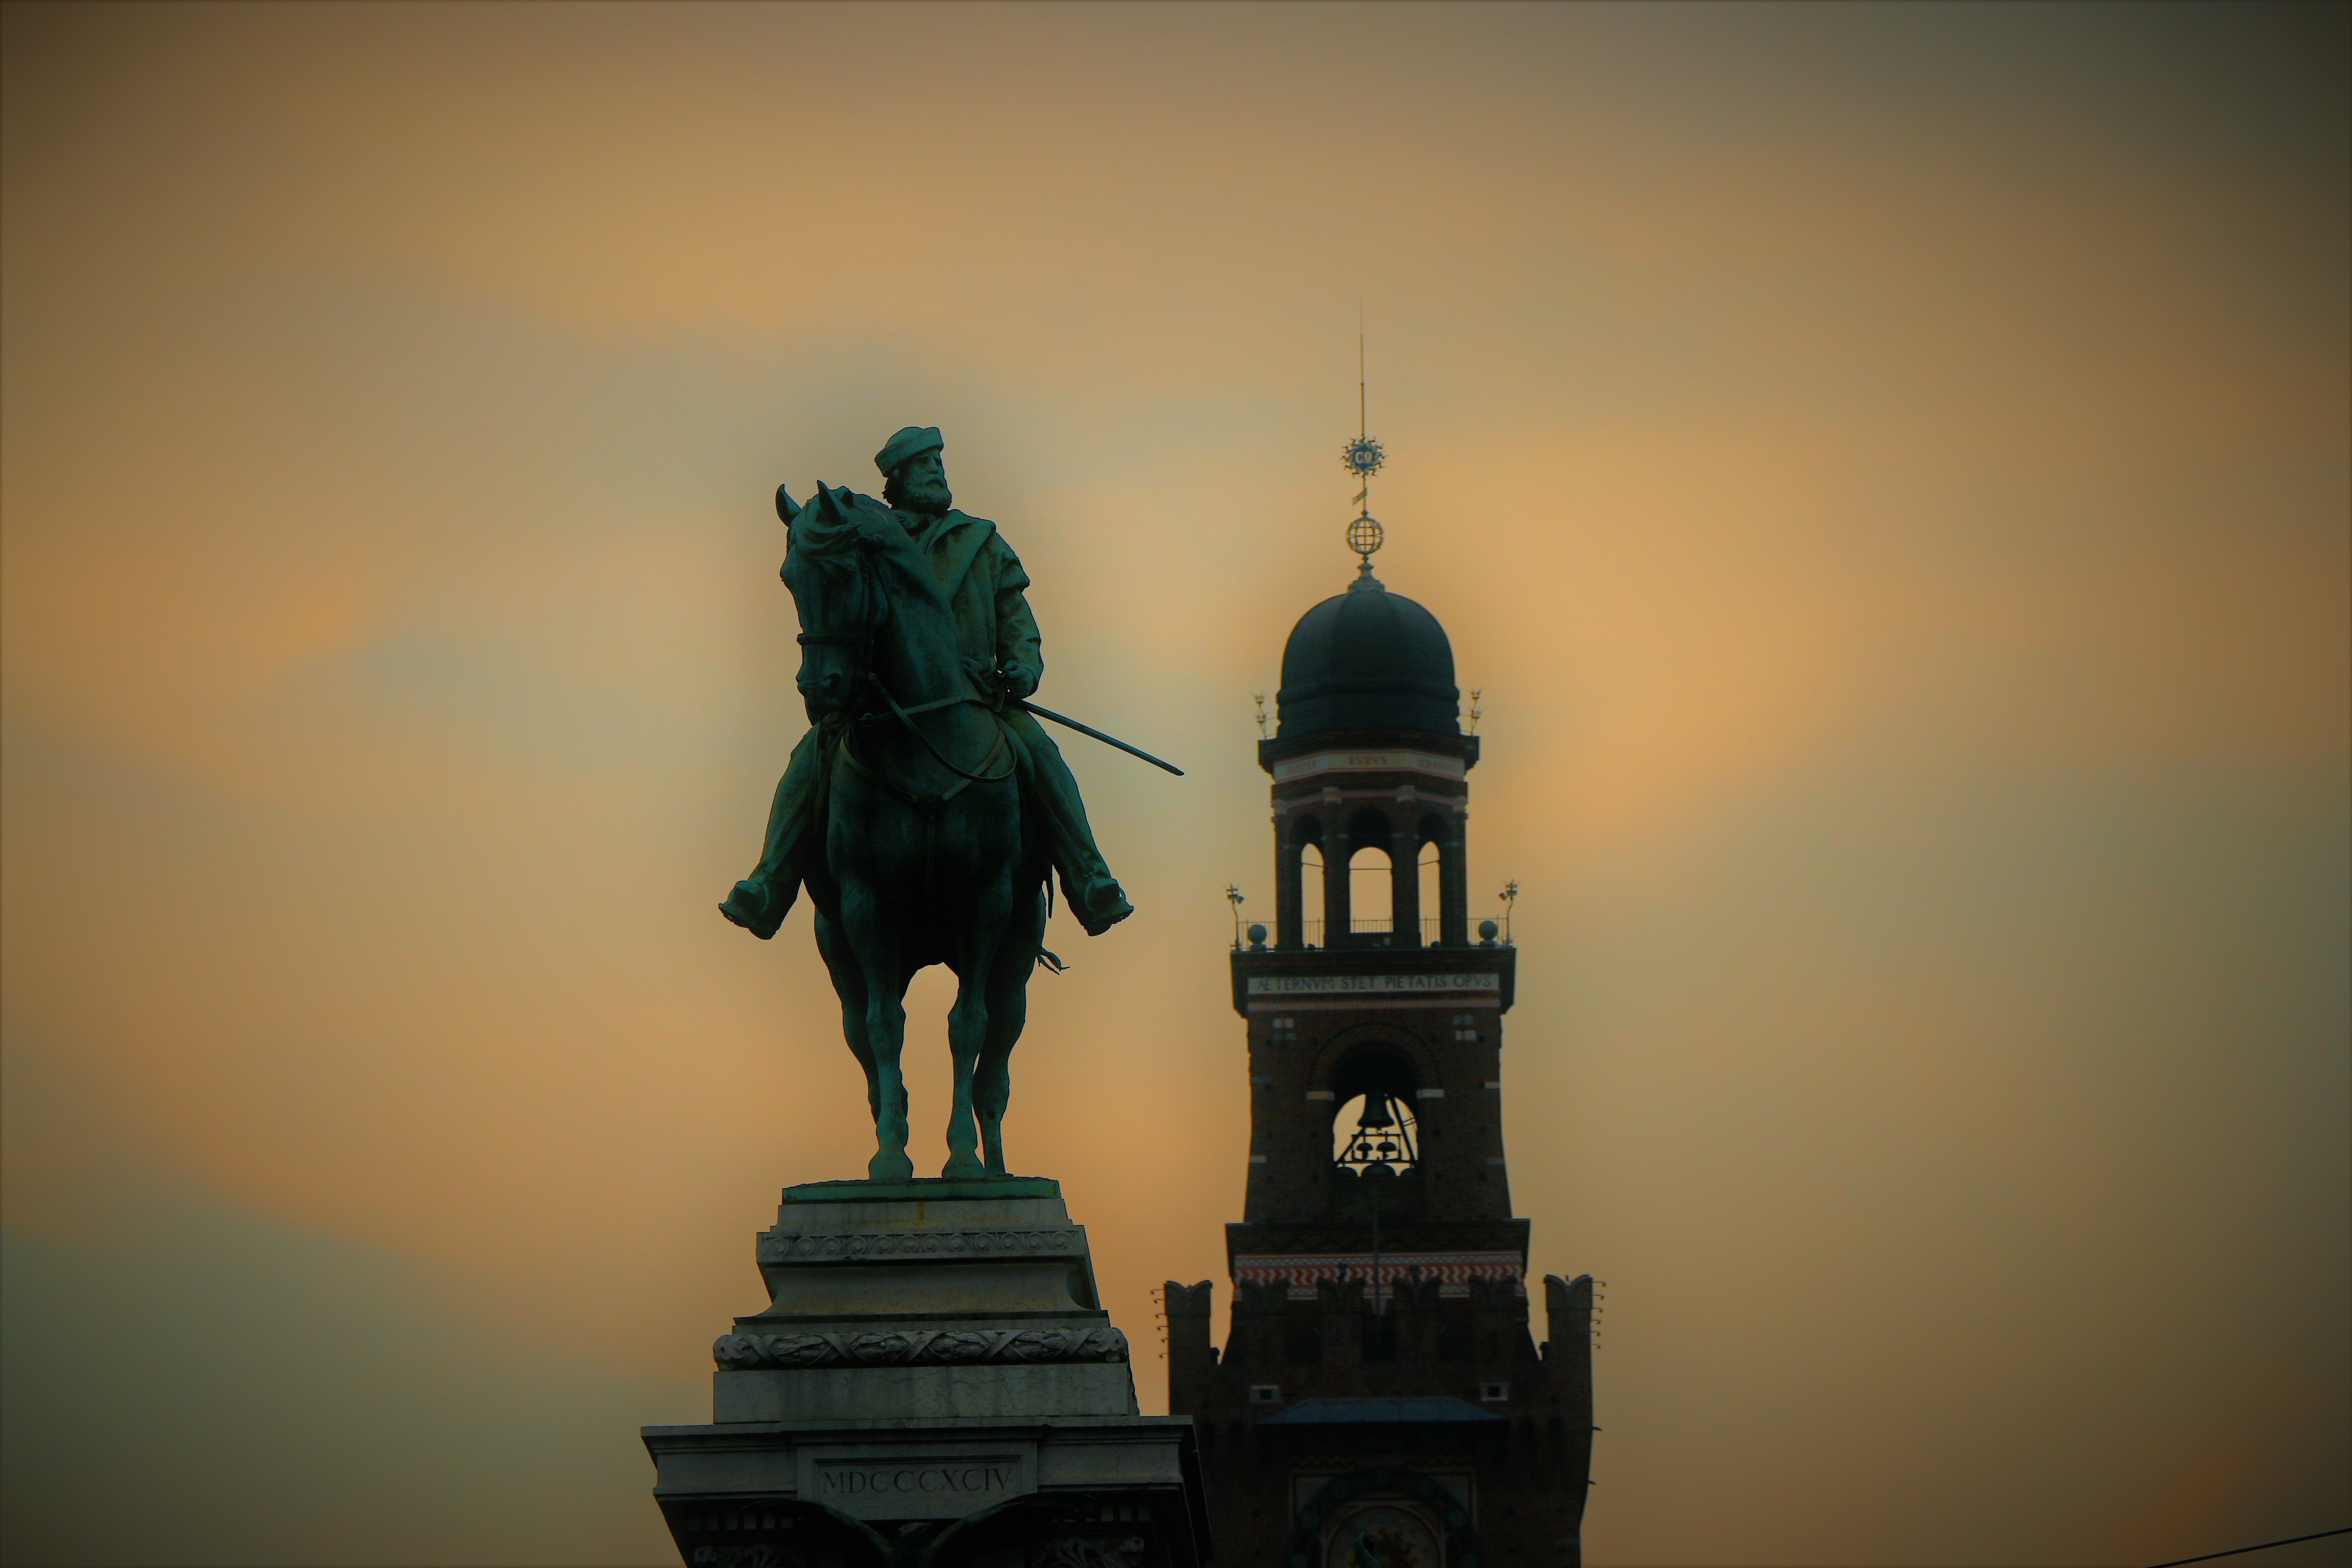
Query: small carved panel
x,y
1088,1552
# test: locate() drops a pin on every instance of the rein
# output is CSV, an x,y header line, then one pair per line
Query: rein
x,y
864,641
905,716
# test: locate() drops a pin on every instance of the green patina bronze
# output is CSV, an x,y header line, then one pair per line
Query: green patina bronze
x,y
924,807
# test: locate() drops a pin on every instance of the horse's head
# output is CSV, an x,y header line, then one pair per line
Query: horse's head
x,y
840,603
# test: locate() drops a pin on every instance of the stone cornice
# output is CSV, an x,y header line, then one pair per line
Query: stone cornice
x,y
788,1247
918,1347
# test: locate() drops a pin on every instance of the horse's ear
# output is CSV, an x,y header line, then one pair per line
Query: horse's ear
x,y
787,508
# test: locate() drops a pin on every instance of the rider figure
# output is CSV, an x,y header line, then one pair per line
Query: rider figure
x,y
985,585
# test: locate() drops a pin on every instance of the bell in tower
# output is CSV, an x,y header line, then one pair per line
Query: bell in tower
x,y
1383,1135
1378,1381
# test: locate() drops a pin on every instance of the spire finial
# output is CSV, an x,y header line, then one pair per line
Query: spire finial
x,y
1362,458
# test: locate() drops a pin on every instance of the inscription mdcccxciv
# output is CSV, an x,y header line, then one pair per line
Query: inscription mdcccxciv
x,y
841,1482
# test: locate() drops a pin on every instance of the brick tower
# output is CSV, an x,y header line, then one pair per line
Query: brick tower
x,y
1379,1398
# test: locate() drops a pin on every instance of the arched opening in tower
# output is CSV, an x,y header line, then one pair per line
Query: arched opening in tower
x,y
1310,894
1426,875
1371,893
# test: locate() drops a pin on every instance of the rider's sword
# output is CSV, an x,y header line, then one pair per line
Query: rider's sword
x,y
1097,734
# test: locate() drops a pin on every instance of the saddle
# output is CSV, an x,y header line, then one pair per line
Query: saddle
x,y
1007,745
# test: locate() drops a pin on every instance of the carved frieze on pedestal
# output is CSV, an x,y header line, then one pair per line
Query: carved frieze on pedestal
x,y
933,1381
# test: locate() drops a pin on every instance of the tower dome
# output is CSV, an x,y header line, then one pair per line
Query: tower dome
x,y
1367,659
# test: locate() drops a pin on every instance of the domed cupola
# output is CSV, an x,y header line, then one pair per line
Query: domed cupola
x,y
1366,659
1369,765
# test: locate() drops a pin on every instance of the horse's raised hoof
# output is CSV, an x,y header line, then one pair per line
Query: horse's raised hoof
x,y
1105,905
889,1165
750,907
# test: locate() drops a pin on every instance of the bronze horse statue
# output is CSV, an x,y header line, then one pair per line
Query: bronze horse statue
x,y
927,855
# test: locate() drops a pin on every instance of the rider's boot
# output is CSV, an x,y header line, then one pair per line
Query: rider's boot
x,y
1096,898
760,903
1093,894
760,900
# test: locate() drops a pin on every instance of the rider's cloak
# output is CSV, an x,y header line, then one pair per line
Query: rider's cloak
x,y
961,557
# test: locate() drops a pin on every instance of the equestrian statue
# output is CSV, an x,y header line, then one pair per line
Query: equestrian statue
x,y
925,807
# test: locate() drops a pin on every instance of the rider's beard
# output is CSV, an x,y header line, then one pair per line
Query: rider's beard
x,y
923,495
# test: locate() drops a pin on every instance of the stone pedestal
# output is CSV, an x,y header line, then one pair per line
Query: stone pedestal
x,y
933,1384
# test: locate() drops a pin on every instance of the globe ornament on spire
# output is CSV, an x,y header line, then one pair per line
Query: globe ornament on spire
x,y
1362,458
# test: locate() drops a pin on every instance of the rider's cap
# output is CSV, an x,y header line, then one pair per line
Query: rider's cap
x,y
912,442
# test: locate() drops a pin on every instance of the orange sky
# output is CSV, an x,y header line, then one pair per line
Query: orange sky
x,y
1886,468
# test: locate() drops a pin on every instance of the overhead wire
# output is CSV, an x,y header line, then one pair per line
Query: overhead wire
x,y
2264,1546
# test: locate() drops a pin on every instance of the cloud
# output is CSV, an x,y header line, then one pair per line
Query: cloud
x,y
1886,471
191,1382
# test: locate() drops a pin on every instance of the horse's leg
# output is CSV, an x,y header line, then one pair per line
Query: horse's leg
x,y
987,822
991,1089
975,945
876,945
1008,1012
849,984
966,1029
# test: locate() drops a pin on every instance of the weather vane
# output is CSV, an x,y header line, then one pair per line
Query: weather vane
x,y
1362,458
